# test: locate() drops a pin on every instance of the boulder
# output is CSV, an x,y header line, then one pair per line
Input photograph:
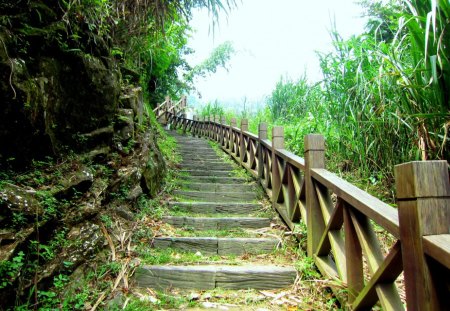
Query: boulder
x,y
18,200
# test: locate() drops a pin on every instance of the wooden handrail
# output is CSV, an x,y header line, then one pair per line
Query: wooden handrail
x,y
343,221
380,212
167,107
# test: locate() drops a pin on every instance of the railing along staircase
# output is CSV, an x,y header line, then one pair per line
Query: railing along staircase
x,y
344,222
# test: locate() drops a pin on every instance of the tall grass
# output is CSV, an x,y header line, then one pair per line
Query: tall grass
x,y
384,98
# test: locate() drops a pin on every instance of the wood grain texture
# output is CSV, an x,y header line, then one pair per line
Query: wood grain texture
x,y
203,196
207,166
420,179
205,245
314,158
239,246
219,187
216,208
208,173
380,212
385,276
438,247
205,223
217,246
215,179
210,277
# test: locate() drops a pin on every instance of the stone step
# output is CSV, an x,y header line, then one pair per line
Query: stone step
x,y
208,173
218,246
209,187
206,166
216,223
206,158
215,179
201,162
217,208
203,196
212,276
196,153
192,148
187,145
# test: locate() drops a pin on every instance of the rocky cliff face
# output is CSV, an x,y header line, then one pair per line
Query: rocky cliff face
x,y
48,103
77,150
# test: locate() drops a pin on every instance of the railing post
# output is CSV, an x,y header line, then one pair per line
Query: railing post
x,y
183,102
194,125
216,128
222,131
242,151
262,134
184,123
232,138
314,158
211,126
277,143
423,197
165,108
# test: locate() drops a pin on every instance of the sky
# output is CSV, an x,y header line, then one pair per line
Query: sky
x,y
273,39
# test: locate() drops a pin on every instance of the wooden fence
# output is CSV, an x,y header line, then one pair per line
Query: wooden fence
x,y
169,108
343,222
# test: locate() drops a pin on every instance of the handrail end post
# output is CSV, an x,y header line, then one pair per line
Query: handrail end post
x,y
423,199
262,134
314,158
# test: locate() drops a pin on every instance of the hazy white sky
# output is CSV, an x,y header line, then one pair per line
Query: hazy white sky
x,y
272,39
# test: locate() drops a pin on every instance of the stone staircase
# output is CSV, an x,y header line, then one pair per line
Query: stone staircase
x,y
213,199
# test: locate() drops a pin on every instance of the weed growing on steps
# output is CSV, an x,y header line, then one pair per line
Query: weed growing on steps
x,y
153,256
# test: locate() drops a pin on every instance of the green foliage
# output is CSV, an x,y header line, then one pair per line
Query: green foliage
x,y
291,99
384,97
49,203
212,109
219,57
9,270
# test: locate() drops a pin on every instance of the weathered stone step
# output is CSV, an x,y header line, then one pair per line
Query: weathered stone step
x,y
201,162
210,277
186,145
206,158
217,208
203,196
218,187
206,223
215,179
208,173
192,148
218,246
198,154
206,166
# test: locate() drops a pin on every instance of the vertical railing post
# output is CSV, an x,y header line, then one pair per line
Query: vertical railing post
x,y
423,198
232,138
184,103
242,149
262,135
222,131
314,158
203,131
184,122
194,125
165,108
216,128
277,143
211,126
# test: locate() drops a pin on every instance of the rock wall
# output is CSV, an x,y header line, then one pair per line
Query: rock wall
x,y
62,96
62,208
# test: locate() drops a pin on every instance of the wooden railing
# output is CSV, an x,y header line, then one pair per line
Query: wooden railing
x,y
167,108
343,222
